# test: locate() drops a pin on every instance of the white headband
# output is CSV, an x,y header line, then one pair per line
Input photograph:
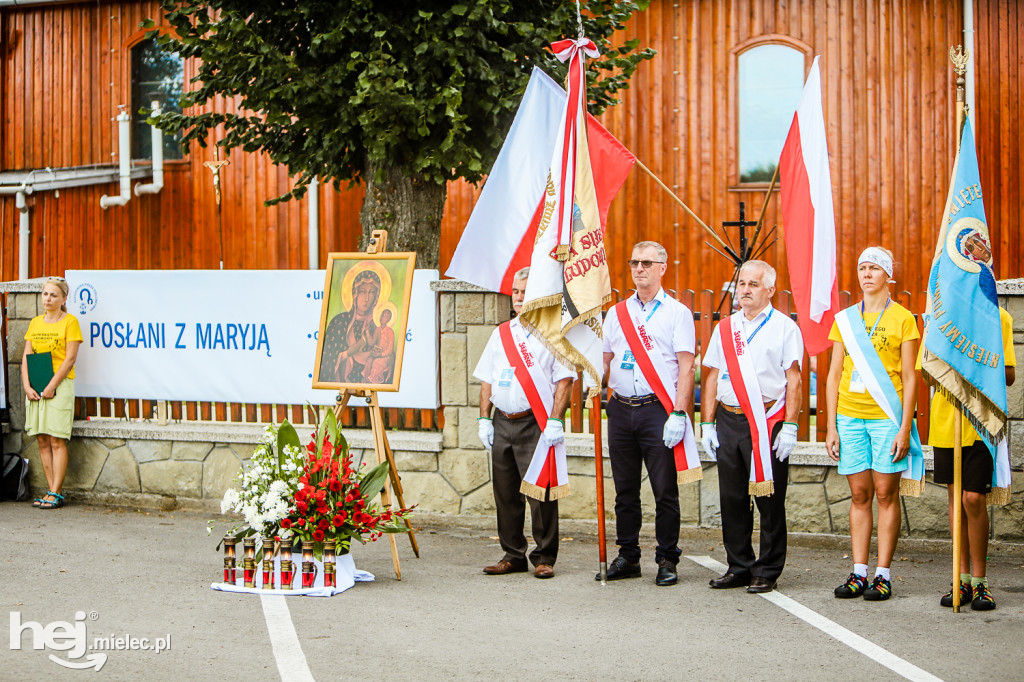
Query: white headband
x,y
874,254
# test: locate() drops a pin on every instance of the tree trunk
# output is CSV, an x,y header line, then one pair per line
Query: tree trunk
x,y
409,208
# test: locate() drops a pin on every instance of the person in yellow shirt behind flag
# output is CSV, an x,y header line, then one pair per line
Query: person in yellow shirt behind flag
x,y
976,467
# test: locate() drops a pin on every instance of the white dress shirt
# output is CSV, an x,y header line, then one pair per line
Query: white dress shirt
x,y
774,347
668,322
495,369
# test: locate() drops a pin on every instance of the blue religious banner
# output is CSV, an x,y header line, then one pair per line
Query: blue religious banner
x,y
963,344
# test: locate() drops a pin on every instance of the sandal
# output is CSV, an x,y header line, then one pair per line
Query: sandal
x,y
38,502
57,503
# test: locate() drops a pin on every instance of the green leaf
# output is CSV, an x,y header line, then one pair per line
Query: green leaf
x,y
331,427
373,481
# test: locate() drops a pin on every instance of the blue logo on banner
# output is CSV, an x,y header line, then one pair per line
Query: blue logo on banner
x,y
85,298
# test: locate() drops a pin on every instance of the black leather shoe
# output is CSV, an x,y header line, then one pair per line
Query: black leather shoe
x,y
729,580
759,585
666,574
620,568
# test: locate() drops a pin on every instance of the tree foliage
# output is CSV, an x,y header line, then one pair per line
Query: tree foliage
x,y
332,88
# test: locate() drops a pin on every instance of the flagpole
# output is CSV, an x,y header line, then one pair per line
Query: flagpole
x,y
764,206
602,543
959,67
686,208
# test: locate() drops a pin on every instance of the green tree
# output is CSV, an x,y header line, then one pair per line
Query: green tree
x,y
402,96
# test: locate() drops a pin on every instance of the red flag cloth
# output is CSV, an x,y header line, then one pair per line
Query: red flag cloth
x,y
808,218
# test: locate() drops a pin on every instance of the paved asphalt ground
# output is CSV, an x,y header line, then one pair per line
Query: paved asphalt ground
x,y
147,575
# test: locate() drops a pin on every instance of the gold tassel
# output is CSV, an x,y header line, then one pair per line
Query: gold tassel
x,y
559,491
532,490
998,496
689,475
761,488
562,252
911,488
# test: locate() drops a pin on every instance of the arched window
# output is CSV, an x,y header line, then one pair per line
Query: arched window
x,y
769,78
156,76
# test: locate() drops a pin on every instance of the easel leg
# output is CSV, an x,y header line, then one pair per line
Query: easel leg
x,y
399,493
377,421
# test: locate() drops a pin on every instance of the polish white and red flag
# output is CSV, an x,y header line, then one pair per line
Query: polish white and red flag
x,y
808,218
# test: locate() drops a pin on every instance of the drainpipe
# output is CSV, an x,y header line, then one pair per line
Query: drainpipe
x,y
124,154
314,224
969,47
158,158
19,203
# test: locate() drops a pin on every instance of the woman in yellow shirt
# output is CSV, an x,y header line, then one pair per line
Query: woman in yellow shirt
x,y
49,413
870,448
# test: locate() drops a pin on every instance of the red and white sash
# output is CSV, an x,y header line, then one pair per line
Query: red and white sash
x,y
743,377
663,381
548,468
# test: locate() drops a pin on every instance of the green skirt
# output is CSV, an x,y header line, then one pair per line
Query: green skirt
x,y
54,416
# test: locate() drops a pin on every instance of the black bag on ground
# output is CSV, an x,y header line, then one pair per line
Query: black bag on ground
x,y
14,479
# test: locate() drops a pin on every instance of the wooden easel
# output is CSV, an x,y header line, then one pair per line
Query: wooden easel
x,y
381,447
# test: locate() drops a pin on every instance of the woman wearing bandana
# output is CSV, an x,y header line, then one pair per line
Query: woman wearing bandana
x,y
871,449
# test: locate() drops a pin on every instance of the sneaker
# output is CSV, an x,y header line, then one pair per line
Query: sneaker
x,y
880,590
983,600
853,587
965,595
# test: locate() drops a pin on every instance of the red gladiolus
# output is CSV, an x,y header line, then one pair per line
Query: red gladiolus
x,y
322,510
321,495
300,521
322,524
302,507
318,535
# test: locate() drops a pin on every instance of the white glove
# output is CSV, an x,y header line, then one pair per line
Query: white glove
x,y
785,442
554,432
709,439
485,429
675,429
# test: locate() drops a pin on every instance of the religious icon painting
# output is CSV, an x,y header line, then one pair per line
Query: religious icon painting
x,y
363,321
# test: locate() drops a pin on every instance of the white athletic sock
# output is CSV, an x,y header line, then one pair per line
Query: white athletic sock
x,y
861,570
884,572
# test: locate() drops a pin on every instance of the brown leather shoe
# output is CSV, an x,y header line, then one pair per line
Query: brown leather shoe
x,y
504,567
729,581
544,571
759,585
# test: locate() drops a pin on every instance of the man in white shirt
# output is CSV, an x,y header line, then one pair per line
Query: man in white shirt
x,y
512,436
640,430
775,350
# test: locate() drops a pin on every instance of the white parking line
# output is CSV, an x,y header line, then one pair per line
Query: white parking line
x,y
291,662
834,630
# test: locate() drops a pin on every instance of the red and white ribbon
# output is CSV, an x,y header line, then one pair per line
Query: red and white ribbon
x,y
743,377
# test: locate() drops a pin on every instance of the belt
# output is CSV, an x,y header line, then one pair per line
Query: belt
x,y
739,410
514,415
636,401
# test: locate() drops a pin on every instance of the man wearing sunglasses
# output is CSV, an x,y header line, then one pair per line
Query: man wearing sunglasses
x,y
640,429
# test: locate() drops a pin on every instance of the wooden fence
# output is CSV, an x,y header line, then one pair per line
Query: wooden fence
x,y
702,303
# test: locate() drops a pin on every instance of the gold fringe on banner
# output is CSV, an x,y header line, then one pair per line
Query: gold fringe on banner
x,y
690,475
911,488
998,496
761,488
559,491
562,252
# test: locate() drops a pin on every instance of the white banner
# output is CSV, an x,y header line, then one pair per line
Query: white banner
x,y
241,336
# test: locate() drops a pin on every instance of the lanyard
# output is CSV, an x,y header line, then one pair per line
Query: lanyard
x,y
763,323
877,320
657,304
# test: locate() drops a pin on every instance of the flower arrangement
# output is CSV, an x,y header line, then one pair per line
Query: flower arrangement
x,y
315,494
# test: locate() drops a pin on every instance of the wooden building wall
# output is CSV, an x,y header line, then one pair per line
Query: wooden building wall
x,y
887,85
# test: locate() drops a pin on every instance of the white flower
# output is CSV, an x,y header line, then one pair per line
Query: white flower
x,y
230,500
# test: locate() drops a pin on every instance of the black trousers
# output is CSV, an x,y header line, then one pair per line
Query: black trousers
x,y
514,443
734,458
635,437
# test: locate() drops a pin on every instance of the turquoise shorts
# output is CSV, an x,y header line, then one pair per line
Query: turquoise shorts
x,y
867,444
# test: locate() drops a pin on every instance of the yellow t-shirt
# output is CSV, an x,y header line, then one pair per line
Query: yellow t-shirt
x,y
53,338
896,326
940,421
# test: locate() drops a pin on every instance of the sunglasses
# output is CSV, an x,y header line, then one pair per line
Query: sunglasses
x,y
55,279
645,263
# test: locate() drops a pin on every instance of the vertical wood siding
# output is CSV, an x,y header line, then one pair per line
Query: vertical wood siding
x,y
888,107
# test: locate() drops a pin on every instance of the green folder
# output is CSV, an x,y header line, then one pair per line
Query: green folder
x,y
40,370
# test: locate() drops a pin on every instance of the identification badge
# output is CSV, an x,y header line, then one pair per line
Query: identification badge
x,y
725,377
506,377
628,361
856,383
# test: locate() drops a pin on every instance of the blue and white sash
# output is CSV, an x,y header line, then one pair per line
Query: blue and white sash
x,y
879,385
